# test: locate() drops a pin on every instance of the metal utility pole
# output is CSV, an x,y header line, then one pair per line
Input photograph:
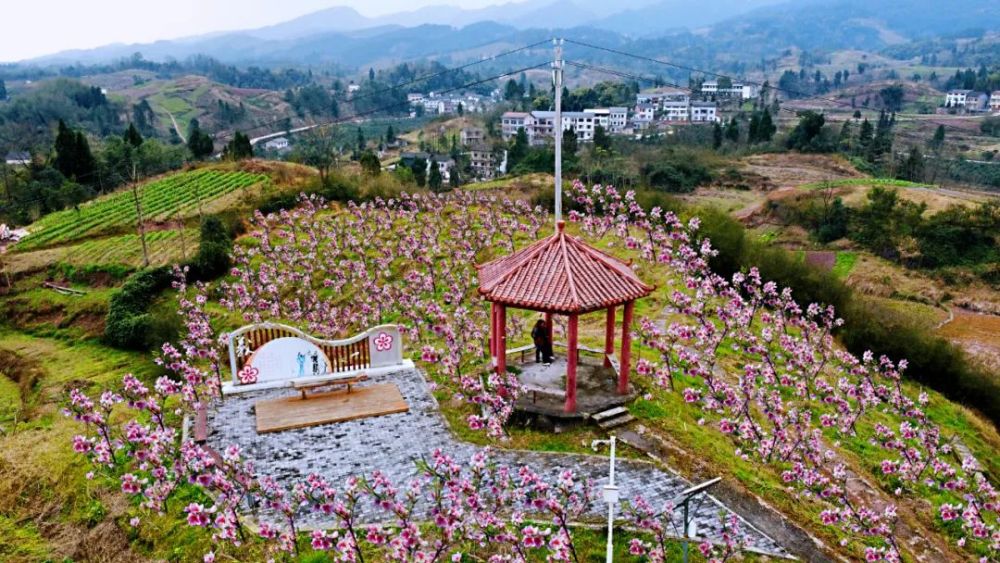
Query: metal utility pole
x,y
610,495
557,78
684,501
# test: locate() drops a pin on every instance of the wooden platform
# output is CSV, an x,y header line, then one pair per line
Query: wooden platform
x,y
286,413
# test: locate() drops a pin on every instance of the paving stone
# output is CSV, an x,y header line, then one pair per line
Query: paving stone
x,y
393,443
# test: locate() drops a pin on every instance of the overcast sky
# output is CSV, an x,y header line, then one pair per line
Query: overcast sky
x,y
30,28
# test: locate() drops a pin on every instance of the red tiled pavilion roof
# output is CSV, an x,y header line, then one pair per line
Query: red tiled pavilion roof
x,y
560,274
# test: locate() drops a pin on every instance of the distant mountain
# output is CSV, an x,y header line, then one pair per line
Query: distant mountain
x,y
671,15
703,32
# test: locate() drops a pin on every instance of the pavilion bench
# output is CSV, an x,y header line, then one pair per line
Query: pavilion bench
x,y
303,386
535,390
521,350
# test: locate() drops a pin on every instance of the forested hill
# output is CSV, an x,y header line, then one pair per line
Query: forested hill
x,y
762,32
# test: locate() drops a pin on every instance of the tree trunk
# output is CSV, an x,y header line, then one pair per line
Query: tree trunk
x,y
140,224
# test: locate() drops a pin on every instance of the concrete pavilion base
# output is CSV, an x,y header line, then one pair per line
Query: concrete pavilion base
x,y
596,391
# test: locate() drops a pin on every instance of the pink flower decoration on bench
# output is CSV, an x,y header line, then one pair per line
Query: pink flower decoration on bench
x,y
248,375
383,342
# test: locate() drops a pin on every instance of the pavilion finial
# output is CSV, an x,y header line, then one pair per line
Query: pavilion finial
x,y
560,226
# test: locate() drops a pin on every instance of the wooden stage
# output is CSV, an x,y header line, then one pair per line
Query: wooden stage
x,y
286,413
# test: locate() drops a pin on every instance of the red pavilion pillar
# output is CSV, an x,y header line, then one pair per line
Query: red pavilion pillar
x,y
501,339
626,347
493,334
548,325
571,357
609,337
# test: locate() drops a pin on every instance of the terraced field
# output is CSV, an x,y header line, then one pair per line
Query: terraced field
x,y
174,197
165,247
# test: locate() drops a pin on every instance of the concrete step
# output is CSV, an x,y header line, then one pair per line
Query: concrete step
x,y
610,413
616,422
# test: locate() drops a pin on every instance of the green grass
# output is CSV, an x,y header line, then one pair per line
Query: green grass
x,y
844,263
845,182
171,198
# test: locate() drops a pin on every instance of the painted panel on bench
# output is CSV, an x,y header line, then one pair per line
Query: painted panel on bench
x,y
283,359
385,345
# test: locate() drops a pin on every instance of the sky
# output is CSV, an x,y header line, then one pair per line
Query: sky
x,y
31,28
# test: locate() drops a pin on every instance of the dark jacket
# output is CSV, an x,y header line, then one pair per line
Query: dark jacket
x,y
539,335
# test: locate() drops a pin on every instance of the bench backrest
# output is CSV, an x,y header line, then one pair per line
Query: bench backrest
x,y
270,352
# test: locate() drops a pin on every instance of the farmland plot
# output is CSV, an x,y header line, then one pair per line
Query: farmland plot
x,y
175,197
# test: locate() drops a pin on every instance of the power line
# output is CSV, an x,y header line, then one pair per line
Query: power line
x,y
347,98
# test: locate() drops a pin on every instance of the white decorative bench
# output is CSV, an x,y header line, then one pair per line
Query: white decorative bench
x,y
271,355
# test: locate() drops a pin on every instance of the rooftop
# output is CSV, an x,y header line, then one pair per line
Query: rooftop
x,y
561,274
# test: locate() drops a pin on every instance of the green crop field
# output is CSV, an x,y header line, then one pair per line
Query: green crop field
x,y
165,247
174,197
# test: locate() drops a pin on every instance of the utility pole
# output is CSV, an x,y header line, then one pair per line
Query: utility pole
x,y
610,496
557,77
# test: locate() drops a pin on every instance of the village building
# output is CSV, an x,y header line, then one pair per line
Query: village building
x,y
444,162
279,144
703,112
18,158
734,90
969,100
483,161
472,135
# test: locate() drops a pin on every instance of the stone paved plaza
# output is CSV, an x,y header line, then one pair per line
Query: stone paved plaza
x,y
391,443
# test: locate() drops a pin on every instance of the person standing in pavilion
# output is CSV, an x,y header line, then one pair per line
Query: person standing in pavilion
x,y
543,348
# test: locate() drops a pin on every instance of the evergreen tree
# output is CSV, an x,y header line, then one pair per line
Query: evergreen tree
x,y
419,168
513,91
519,148
371,74
390,134
361,141
132,136
3,91
865,135
753,130
937,141
569,143
199,143
601,138
370,164
912,167
733,130
767,128
65,150
239,148
73,157
434,181
454,179
716,135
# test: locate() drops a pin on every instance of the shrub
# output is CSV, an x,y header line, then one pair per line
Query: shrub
x,y
128,324
213,258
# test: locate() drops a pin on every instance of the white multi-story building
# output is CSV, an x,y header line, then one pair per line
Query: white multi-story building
x,y
995,102
969,100
736,89
414,97
540,125
645,112
703,111
676,111
617,119
511,121
279,144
